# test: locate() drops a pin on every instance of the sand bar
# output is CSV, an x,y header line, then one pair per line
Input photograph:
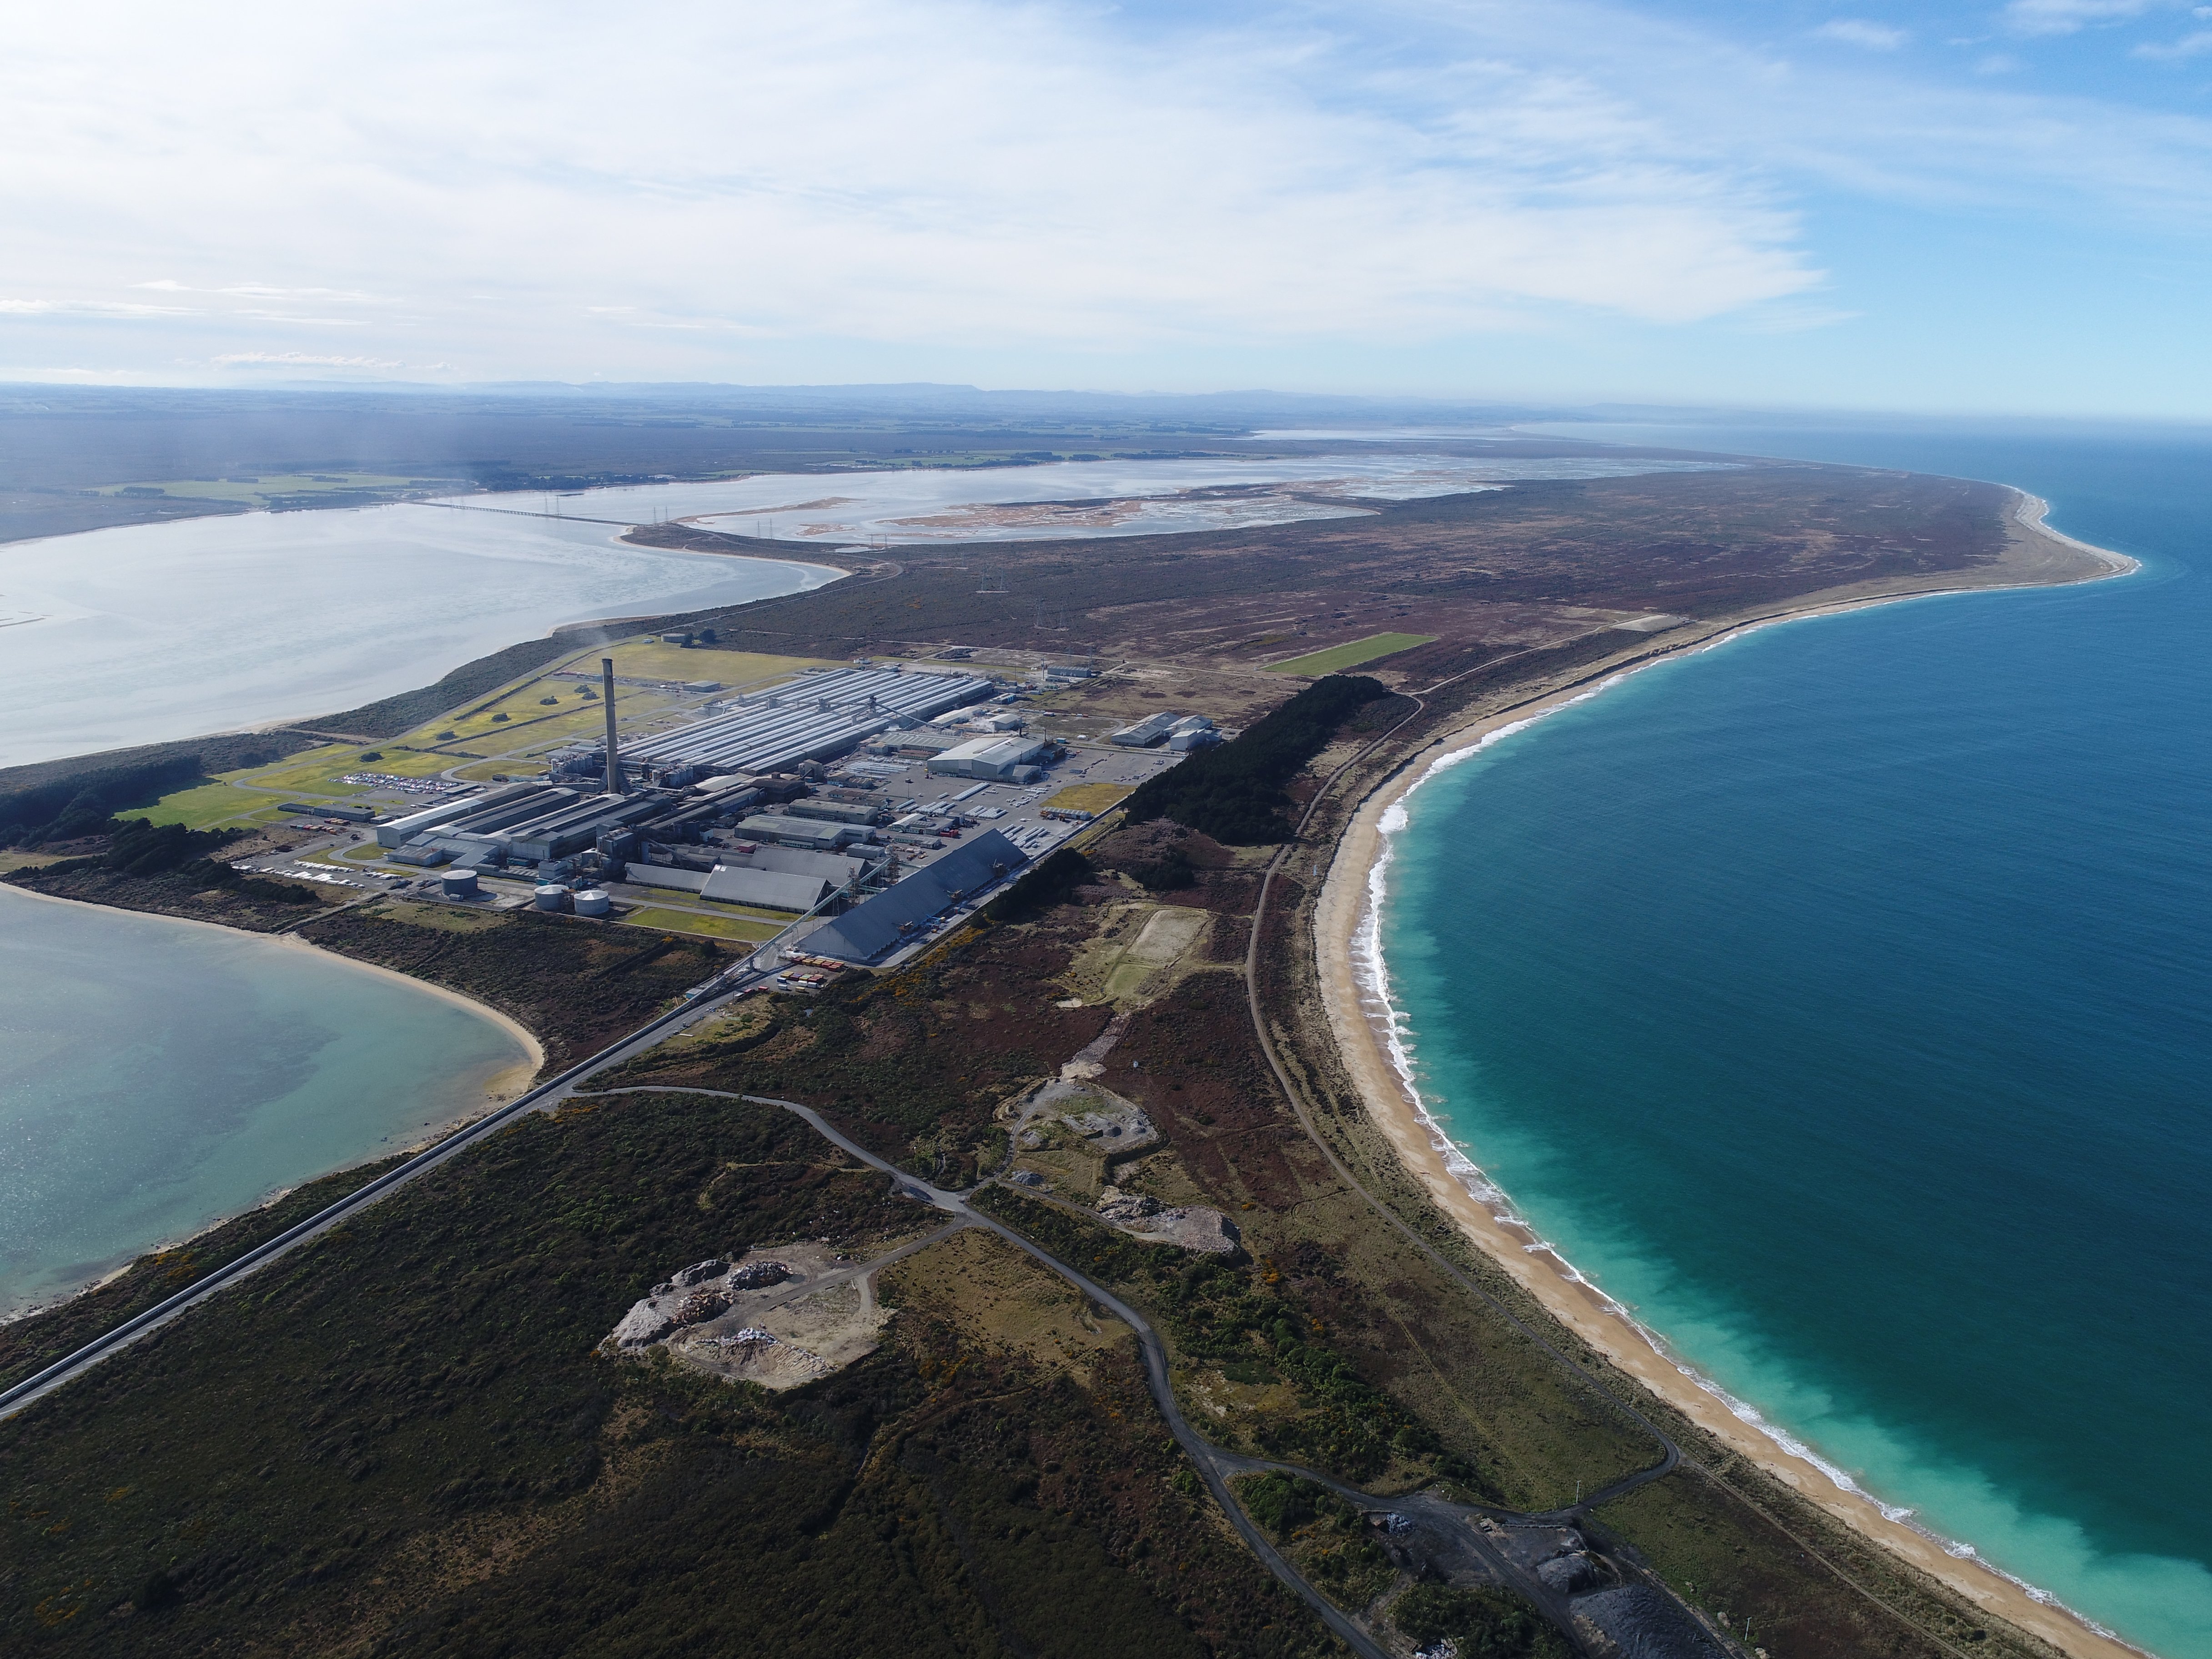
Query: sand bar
x,y
1359,1019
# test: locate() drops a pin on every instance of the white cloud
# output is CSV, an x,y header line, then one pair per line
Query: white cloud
x,y
308,360
944,171
85,308
259,314
264,291
1857,32
528,190
2068,16
2193,45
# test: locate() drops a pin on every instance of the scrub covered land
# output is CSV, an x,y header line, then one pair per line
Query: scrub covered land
x,y
404,1435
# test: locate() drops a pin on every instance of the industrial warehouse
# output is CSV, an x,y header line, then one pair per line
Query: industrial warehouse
x,y
817,716
867,808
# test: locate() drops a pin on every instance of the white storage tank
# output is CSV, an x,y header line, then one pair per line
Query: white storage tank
x,y
593,902
459,883
552,897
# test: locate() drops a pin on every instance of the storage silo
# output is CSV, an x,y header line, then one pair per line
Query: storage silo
x,y
552,897
593,902
459,883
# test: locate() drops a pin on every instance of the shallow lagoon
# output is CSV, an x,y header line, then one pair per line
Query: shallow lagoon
x,y
146,633
160,1075
1081,499
150,632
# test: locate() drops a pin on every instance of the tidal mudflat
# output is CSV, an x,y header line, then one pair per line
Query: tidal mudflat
x,y
1078,499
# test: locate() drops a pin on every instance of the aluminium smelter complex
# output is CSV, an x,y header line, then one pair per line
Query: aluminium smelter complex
x,y
818,715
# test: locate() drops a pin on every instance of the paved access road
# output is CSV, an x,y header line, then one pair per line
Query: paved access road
x,y
1214,1466
1458,1528
545,1095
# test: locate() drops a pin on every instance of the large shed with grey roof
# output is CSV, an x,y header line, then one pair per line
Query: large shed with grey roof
x,y
898,913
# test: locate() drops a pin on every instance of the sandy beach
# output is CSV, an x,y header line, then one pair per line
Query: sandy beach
x,y
503,1085
1359,1020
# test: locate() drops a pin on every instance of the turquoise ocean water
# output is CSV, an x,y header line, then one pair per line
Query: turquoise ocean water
x,y
1841,1000
158,1076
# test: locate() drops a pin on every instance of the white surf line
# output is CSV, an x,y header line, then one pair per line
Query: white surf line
x,y
2033,513
1370,976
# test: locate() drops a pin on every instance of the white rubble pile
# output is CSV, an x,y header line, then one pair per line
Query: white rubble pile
x,y
1192,1227
702,1291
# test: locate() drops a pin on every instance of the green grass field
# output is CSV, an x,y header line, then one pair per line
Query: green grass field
x,y
1091,798
206,806
1350,654
698,926
318,770
530,726
258,488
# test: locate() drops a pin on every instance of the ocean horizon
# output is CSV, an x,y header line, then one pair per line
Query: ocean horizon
x,y
1839,999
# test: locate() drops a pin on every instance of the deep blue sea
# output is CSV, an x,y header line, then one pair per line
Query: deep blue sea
x,y
1840,999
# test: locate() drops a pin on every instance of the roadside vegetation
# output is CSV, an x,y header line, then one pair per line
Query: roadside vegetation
x,y
30,1345
1325,1536
403,1437
1480,1624
575,986
1239,793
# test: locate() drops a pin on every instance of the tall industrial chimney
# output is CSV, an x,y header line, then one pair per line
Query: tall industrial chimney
x,y
607,697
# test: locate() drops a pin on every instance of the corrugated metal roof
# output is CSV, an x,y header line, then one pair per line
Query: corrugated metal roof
x,y
775,889
868,930
813,715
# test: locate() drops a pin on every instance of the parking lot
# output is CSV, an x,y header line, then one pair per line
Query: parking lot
x,y
1015,811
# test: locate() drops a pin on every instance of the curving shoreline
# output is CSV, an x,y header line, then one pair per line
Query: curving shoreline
x,y
497,1089
1365,1026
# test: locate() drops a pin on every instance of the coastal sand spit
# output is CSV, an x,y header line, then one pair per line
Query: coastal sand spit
x,y
1359,1022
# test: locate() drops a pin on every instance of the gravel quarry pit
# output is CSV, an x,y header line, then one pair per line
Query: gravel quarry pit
x,y
1070,1132
1190,1227
779,1316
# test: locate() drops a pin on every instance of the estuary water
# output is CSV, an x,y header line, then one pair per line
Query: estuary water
x,y
144,632
149,632
161,1075
1129,496
1840,1000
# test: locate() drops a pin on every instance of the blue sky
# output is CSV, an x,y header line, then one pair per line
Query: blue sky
x,y
1967,208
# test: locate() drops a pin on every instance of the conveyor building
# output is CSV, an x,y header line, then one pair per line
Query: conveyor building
x,y
905,908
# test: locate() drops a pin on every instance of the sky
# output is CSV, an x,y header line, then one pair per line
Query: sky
x,y
2000,207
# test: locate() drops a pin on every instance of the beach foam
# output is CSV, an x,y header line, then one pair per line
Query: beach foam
x,y
1864,1463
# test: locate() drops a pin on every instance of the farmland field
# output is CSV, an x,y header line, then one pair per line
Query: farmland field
x,y
1350,655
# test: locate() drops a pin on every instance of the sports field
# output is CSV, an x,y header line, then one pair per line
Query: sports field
x,y
1350,655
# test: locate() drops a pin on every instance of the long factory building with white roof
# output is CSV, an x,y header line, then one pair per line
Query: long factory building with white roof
x,y
815,716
